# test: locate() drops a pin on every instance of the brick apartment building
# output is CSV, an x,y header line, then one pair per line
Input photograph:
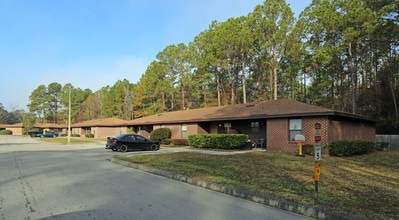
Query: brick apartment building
x,y
275,122
19,129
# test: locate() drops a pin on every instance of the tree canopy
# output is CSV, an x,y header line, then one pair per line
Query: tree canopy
x,y
339,54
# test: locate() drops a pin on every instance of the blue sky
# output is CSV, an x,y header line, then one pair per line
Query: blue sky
x,y
94,43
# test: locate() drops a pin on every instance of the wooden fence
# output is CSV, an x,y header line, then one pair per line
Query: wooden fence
x,y
393,141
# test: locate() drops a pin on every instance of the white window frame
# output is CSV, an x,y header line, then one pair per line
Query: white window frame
x,y
295,127
184,131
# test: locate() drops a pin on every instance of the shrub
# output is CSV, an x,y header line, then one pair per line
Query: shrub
x,y
167,141
89,135
160,134
5,132
219,141
75,135
382,146
349,148
180,141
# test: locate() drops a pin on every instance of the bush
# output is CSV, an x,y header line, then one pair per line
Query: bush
x,y
167,141
5,132
89,135
160,134
218,141
349,148
180,141
177,141
75,135
382,146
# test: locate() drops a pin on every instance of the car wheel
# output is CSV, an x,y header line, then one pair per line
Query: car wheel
x,y
154,147
114,149
123,148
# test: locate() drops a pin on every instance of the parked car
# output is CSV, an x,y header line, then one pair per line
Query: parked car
x,y
126,142
47,134
34,133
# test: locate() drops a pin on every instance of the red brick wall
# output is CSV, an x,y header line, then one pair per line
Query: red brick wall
x,y
278,133
176,129
349,130
102,132
308,129
16,131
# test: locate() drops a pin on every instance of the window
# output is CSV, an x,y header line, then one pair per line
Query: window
x,y
255,127
184,131
295,128
140,138
127,137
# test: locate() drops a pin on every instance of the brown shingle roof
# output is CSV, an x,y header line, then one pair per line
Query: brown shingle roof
x,y
18,125
104,122
49,125
36,125
264,109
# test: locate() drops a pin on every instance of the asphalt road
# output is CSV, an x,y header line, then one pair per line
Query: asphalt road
x,y
77,181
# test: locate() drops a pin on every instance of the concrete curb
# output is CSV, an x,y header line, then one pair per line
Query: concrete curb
x,y
243,194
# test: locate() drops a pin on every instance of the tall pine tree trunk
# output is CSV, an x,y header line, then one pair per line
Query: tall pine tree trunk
x,y
353,79
244,93
275,71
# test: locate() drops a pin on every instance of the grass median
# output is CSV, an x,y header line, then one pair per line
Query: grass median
x,y
363,186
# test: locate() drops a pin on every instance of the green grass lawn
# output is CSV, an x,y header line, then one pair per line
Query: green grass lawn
x,y
365,186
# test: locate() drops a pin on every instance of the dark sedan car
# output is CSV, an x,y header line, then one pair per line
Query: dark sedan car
x,y
126,142
47,134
